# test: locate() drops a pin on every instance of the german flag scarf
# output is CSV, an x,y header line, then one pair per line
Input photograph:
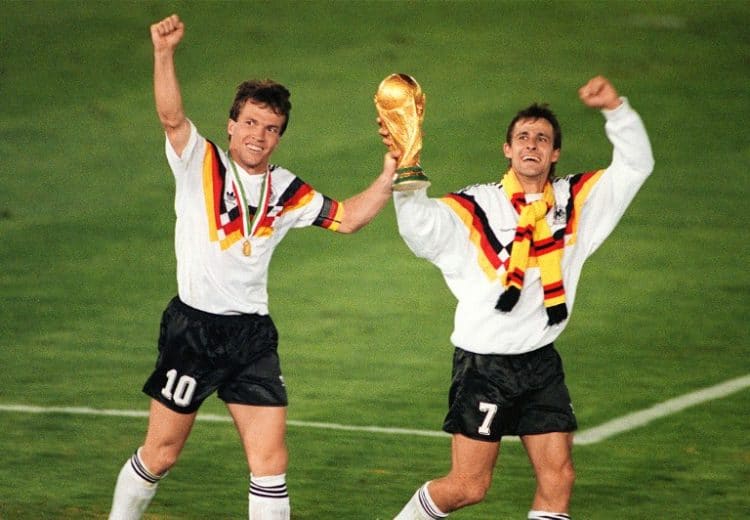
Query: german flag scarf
x,y
533,240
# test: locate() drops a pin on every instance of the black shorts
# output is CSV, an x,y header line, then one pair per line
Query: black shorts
x,y
496,395
200,353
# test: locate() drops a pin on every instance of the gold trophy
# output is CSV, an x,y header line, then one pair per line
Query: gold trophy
x,y
400,104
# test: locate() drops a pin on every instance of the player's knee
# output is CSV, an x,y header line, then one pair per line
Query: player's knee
x,y
561,477
473,490
555,487
476,494
272,462
160,460
167,461
568,474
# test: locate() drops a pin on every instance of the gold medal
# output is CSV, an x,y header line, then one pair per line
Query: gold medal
x,y
249,228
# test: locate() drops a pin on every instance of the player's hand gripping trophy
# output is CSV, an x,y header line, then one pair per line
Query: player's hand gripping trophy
x,y
400,104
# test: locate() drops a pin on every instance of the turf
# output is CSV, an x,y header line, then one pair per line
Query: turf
x,y
86,222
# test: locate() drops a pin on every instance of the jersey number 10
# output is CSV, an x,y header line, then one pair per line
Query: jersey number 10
x,y
181,390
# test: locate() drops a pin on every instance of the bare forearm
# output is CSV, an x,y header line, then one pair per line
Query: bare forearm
x,y
360,209
167,93
168,99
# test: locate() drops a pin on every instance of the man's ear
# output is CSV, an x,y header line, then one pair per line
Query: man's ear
x,y
507,151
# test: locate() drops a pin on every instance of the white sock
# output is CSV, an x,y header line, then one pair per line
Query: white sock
x,y
547,515
135,488
421,507
268,498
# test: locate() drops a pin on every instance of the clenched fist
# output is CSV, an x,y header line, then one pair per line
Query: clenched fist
x,y
167,33
598,92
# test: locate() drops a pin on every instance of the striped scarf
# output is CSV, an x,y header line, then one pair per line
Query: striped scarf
x,y
533,240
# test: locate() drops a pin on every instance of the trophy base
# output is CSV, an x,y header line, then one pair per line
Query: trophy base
x,y
410,185
410,179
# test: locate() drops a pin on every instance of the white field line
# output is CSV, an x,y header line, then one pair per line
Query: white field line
x,y
593,435
635,420
206,417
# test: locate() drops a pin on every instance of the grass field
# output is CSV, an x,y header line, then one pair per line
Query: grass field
x,y
87,264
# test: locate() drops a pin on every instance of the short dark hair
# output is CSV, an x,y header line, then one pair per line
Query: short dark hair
x,y
266,93
538,111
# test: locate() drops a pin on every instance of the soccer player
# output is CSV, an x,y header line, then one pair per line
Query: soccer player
x,y
233,208
511,251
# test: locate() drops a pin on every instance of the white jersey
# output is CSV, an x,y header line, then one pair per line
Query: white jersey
x,y
213,273
468,235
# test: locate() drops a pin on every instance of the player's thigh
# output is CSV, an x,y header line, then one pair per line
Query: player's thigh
x,y
550,453
473,459
262,430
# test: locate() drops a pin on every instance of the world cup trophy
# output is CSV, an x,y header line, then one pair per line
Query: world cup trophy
x,y
400,104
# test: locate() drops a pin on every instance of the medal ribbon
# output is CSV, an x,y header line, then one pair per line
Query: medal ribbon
x,y
265,196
